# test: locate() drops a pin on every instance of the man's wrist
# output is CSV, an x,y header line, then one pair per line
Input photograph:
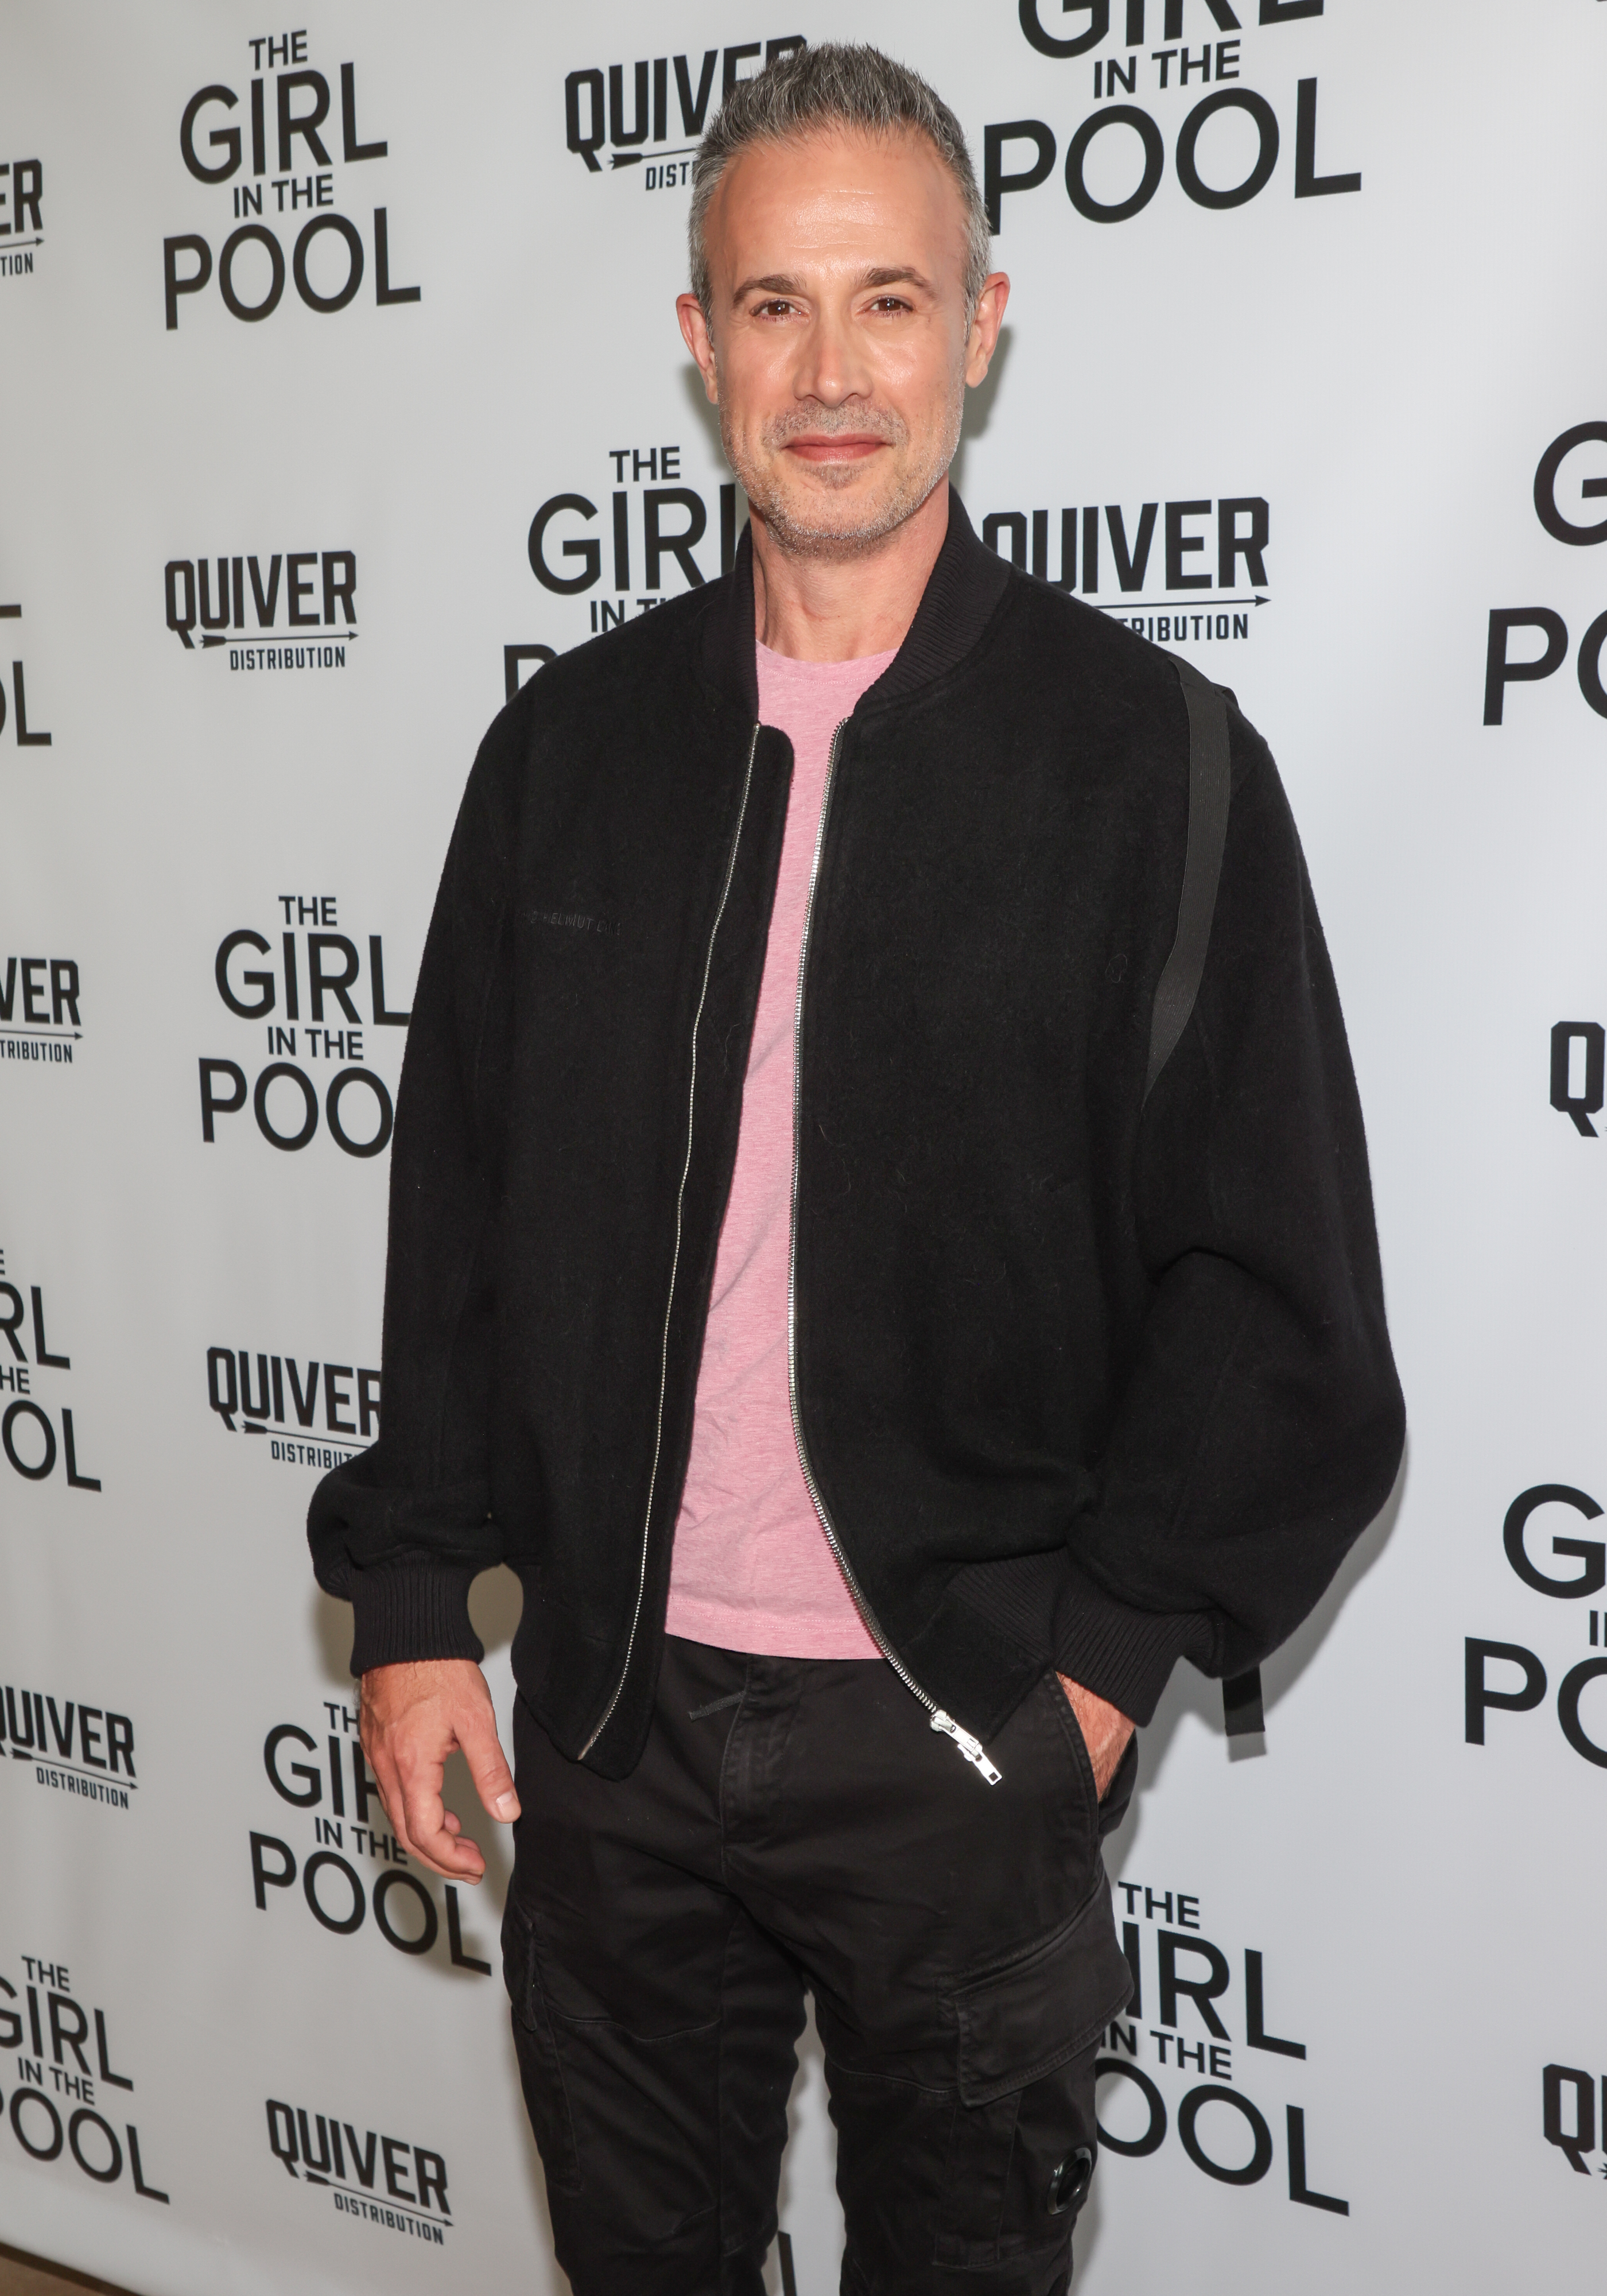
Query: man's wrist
x,y
1105,1729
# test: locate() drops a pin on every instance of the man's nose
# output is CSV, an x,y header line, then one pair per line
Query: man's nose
x,y
832,366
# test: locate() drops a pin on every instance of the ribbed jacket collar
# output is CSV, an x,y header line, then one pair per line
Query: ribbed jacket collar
x,y
961,591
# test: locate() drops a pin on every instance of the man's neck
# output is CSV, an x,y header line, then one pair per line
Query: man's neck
x,y
839,608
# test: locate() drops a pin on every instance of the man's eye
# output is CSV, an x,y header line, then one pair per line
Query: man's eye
x,y
775,310
889,303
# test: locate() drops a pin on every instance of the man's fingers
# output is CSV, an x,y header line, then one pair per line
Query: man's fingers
x,y
423,1809
454,1857
431,1835
488,1765
413,1714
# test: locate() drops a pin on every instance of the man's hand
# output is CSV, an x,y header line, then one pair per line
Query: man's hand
x,y
1105,1727
415,1715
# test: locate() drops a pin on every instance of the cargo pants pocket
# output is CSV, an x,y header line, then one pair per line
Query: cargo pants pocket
x,y
540,2068
1023,2141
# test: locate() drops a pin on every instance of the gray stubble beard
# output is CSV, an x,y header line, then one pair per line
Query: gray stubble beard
x,y
799,539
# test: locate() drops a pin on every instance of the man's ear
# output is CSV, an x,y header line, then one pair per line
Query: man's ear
x,y
694,331
986,322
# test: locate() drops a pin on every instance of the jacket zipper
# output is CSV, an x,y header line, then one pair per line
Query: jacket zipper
x,y
971,1748
674,1262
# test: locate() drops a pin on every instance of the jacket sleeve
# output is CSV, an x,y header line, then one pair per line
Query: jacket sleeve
x,y
401,1529
1261,1425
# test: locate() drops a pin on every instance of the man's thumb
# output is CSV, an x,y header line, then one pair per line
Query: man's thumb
x,y
489,1766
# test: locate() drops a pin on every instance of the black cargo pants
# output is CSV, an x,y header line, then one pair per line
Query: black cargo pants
x,y
795,1823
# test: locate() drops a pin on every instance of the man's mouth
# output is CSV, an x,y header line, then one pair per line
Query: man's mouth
x,y
835,449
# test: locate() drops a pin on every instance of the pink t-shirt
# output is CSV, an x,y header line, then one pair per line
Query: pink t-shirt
x,y
752,1570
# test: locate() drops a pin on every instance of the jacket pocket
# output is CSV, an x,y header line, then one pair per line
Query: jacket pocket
x,y
1018,2020
540,2067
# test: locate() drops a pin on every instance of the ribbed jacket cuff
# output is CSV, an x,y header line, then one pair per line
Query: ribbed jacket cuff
x,y
1121,1654
412,1609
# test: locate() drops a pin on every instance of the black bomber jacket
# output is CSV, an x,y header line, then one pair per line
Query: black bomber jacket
x,y
1085,1376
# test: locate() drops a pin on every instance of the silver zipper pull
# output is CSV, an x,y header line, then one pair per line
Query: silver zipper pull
x,y
971,1748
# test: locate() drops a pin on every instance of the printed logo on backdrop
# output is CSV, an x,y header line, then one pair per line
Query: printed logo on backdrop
x,y
1567,2115
1185,2078
274,142
266,622
21,217
38,1433
248,1395
350,1876
70,2107
376,2179
624,539
1187,591
87,1753
1571,476
24,735
1578,1073
317,996
619,116
1552,1553
39,1017
1165,113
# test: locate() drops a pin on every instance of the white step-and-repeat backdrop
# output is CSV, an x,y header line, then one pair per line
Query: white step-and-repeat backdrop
x,y
339,387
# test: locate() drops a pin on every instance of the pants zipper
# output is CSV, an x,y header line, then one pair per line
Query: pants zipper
x,y
971,1748
674,1263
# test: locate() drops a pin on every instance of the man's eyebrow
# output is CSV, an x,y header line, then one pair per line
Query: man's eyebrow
x,y
773,284
880,275
897,275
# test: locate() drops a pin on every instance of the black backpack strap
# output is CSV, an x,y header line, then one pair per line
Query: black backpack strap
x,y
1208,789
1243,1710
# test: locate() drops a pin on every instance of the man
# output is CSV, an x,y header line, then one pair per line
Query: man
x,y
881,1243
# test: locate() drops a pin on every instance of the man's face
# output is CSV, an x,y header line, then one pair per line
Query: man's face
x,y
838,352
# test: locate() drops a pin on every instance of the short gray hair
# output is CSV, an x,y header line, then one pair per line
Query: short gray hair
x,y
834,85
